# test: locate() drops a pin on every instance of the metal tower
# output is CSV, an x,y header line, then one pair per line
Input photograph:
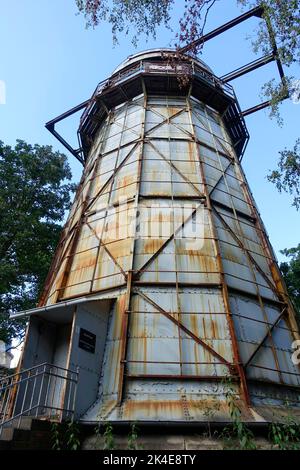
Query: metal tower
x,y
164,290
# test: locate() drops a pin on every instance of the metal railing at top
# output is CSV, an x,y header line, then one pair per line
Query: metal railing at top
x,y
45,391
180,68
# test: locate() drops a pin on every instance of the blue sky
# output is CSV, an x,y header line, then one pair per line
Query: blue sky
x,y
50,62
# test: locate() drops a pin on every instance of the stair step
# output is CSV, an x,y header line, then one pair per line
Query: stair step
x,y
19,423
7,434
5,445
32,445
40,425
26,433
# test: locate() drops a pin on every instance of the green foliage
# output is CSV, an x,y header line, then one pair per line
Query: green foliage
x,y
284,17
55,436
34,195
275,93
209,414
109,442
237,435
285,435
193,21
280,31
143,15
65,436
291,274
287,175
282,26
72,436
132,438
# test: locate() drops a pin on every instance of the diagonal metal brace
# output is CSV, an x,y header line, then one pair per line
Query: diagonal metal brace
x,y
242,246
186,330
165,243
265,338
51,127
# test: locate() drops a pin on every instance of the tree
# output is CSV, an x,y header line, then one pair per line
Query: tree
x,y
287,175
145,16
291,274
34,195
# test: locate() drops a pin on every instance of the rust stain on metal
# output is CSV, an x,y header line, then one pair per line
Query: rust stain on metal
x,y
152,408
185,307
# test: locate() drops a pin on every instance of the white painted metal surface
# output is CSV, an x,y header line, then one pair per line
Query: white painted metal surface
x,y
165,218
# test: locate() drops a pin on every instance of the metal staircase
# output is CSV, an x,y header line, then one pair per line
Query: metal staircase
x,y
45,391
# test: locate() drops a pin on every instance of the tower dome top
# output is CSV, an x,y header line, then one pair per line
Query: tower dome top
x,y
153,54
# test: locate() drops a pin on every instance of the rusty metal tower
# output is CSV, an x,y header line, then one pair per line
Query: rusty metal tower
x,y
164,289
